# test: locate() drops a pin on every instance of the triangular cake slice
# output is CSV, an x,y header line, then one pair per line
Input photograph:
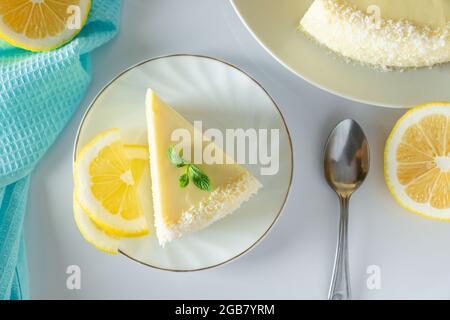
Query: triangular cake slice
x,y
180,211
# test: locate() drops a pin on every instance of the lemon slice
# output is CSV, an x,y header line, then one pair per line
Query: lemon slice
x,y
106,186
102,240
42,25
417,161
92,233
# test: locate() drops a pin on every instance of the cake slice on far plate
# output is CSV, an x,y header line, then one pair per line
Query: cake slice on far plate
x,y
181,203
386,33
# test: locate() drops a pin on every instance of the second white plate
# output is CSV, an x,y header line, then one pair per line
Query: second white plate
x,y
274,24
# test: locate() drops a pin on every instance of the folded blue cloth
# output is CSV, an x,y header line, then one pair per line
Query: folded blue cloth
x,y
39,92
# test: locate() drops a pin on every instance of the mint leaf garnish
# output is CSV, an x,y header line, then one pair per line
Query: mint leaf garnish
x,y
175,158
183,180
199,178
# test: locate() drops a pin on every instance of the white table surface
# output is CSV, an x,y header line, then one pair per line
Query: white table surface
x,y
295,259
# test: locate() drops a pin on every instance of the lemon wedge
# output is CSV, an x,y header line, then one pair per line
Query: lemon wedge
x,y
42,25
106,186
417,161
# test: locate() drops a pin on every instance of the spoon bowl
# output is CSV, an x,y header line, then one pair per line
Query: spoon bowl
x,y
346,158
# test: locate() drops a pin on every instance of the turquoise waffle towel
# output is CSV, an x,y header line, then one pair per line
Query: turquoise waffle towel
x,y
39,92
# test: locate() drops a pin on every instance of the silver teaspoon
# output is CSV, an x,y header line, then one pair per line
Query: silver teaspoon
x,y
346,164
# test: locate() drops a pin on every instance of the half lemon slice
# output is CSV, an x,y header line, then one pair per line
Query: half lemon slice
x,y
42,25
417,161
106,186
102,240
92,233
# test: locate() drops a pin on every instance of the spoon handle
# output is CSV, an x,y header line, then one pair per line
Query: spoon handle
x,y
340,283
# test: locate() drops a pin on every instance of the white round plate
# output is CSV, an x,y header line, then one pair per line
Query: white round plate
x,y
274,24
222,96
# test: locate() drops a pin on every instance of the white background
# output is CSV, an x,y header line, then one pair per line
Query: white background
x,y
295,260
